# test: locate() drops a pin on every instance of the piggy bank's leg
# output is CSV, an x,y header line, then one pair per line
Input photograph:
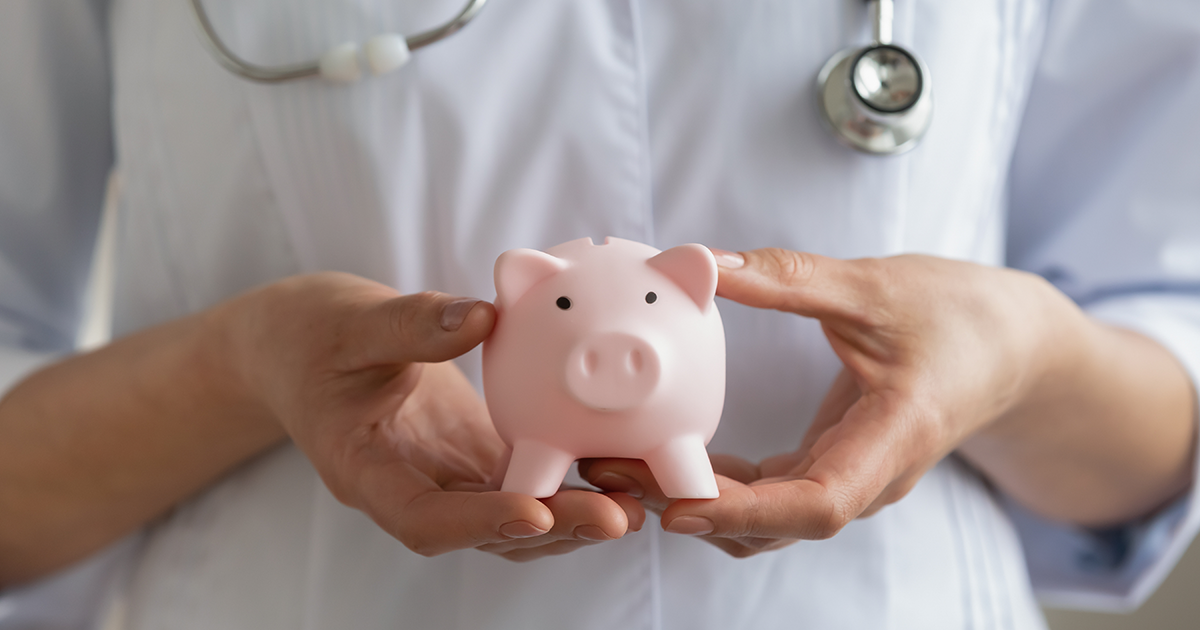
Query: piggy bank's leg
x,y
536,469
682,469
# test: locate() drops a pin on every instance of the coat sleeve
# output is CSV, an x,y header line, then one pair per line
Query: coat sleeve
x,y
1105,202
55,155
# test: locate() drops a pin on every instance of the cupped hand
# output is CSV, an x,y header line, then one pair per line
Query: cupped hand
x,y
359,377
933,350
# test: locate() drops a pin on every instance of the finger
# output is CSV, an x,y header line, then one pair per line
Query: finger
x,y
430,521
578,515
796,508
530,548
633,476
746,547
442,521
843,480
629,476
731,472
635,512
581,515
422,327
734,467
586,515
730,546
766,544
783,465
799,282
738,512
556,548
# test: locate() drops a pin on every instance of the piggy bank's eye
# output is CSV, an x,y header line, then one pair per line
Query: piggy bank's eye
x,y
651,298
564,302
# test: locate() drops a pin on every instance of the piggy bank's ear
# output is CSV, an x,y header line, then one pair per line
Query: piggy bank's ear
x,y
519,269
693,268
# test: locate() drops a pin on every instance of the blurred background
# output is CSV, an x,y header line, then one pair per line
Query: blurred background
x,y
1175,606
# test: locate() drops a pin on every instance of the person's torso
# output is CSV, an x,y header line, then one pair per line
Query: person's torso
x,y
658,121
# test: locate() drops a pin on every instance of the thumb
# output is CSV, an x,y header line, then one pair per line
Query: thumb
x,y
425,327
797,282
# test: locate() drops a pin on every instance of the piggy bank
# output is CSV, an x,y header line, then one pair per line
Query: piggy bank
x,y
613,350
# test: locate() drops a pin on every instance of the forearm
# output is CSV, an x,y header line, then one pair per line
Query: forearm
x,y
1104,436
98,444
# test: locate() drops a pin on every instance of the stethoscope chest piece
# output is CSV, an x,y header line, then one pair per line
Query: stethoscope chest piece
x,y
876,99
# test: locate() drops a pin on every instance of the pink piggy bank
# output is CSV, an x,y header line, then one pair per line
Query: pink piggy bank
x,y
613,350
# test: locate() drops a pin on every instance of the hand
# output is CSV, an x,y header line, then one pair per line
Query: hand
x,y
933,351
357,376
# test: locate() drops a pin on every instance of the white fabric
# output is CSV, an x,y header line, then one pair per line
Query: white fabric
x,y
72,599
655,121
15,365
55,153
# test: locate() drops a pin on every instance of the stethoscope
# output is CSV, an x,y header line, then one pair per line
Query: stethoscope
x,y
380,54
876,98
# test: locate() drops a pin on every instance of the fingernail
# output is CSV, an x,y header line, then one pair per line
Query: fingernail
x,y
613,482
590,532
521,529
727,259
455,313
691,525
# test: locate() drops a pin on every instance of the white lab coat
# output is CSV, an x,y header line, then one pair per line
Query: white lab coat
x,y
659,121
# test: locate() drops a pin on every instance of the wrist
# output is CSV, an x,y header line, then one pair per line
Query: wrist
x,y
220,353
1056,349
1104,431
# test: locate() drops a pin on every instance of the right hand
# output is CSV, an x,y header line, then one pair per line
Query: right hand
x,y
358,377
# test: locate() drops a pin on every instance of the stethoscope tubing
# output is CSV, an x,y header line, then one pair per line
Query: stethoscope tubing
x,y
853,120
234,63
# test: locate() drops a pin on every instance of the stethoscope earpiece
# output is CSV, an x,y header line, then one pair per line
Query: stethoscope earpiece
x,y
876,99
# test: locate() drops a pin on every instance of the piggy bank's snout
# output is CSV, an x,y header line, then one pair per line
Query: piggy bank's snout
x,y
612,371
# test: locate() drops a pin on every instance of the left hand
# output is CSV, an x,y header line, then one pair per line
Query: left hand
x,y
933,351
359,377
